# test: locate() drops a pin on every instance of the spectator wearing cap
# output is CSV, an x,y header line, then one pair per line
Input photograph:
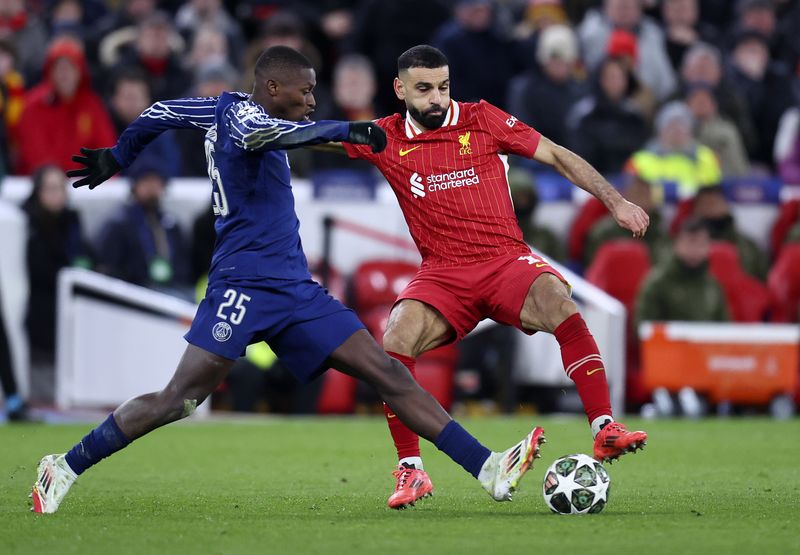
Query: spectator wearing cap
x,y
472,46
683,28
542,97
154,50
606,126
716,131
674,157
62,113
142,243
765,86
130,96
702,66
623,47
652,62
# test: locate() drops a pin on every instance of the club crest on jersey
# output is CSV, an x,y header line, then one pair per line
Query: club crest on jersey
x,y
464,142
417,188
221,331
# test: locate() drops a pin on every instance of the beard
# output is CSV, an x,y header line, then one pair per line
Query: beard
x,y
429,119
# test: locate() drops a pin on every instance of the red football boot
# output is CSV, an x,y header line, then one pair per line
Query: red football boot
x,y
615,440
412,485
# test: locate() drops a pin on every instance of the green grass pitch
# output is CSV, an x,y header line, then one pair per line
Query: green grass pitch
x,y
320,486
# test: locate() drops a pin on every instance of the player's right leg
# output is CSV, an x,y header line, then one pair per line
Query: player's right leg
x,y
499,473
198,374
414,328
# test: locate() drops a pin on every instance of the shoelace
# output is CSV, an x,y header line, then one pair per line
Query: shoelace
x,y
402,475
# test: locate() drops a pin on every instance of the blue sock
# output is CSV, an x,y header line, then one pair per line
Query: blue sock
x,y
459,445
98,444
13,403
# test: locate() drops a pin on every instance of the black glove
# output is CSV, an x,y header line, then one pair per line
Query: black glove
x,y
99,164
367,133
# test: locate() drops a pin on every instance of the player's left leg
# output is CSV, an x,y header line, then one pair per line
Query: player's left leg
x,y
549,307
499,473
413,329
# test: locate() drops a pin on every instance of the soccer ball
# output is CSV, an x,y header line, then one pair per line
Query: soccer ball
x,y
576,484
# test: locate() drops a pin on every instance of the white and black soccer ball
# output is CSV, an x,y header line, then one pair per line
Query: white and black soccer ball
x,y
576,484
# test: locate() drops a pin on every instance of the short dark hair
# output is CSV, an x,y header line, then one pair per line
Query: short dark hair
x,y
422,55
129,74
693,224
279,59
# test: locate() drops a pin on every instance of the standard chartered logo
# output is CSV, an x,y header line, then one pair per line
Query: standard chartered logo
x,y
443,181
417,188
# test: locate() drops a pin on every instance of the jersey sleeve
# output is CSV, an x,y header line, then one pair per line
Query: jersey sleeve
x,y
512,136
183,113
252,129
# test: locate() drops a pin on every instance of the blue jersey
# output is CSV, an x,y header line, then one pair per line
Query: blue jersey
x,y
257,228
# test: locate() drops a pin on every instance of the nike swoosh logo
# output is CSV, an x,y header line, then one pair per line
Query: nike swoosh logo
x,y
590,372
542,264
404,152
391,415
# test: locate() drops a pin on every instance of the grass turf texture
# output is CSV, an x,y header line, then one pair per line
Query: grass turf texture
x,y
320,486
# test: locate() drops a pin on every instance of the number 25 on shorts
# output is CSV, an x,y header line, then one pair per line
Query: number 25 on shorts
x,y
238,301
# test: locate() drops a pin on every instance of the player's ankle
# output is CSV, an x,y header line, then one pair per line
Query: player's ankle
x,y
415,462
600,422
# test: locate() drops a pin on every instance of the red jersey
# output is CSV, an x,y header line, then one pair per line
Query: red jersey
x,y
452,182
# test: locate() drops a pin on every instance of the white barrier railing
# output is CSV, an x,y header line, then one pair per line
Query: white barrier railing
x,y
115,340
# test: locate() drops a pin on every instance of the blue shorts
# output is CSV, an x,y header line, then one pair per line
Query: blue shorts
x,y
299,320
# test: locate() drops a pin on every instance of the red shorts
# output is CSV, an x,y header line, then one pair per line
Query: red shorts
x,y
467,294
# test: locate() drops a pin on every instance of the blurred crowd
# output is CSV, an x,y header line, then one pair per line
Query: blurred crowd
x,y
656,93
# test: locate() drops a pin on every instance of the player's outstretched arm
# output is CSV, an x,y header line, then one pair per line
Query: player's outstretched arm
x,y
252,129
101,164
582,174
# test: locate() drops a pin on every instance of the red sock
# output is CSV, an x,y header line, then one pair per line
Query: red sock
x,y
405,441
583,364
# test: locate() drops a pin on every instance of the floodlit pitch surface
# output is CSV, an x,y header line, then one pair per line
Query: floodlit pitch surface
x,y
320,486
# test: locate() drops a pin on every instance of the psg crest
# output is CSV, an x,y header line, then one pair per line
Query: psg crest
x,y
221,331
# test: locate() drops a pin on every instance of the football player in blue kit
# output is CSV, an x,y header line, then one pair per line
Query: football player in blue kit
x,y
259,285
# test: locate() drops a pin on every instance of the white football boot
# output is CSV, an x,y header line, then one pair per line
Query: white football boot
x,y
54,479
501,473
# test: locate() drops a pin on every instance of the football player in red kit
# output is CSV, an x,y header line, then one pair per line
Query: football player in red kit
x,y
446,162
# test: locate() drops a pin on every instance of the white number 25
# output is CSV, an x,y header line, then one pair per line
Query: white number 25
x,y
240,299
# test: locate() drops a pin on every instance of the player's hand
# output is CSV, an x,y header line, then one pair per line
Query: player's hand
x,y
99,165
631,217
367,133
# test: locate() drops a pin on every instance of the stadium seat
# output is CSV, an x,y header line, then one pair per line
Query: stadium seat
x,y
378,282
748,299
435,369
788,216
618,269
784,284
589,214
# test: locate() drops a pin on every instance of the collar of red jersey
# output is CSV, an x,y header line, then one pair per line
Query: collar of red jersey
x,y
450,118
